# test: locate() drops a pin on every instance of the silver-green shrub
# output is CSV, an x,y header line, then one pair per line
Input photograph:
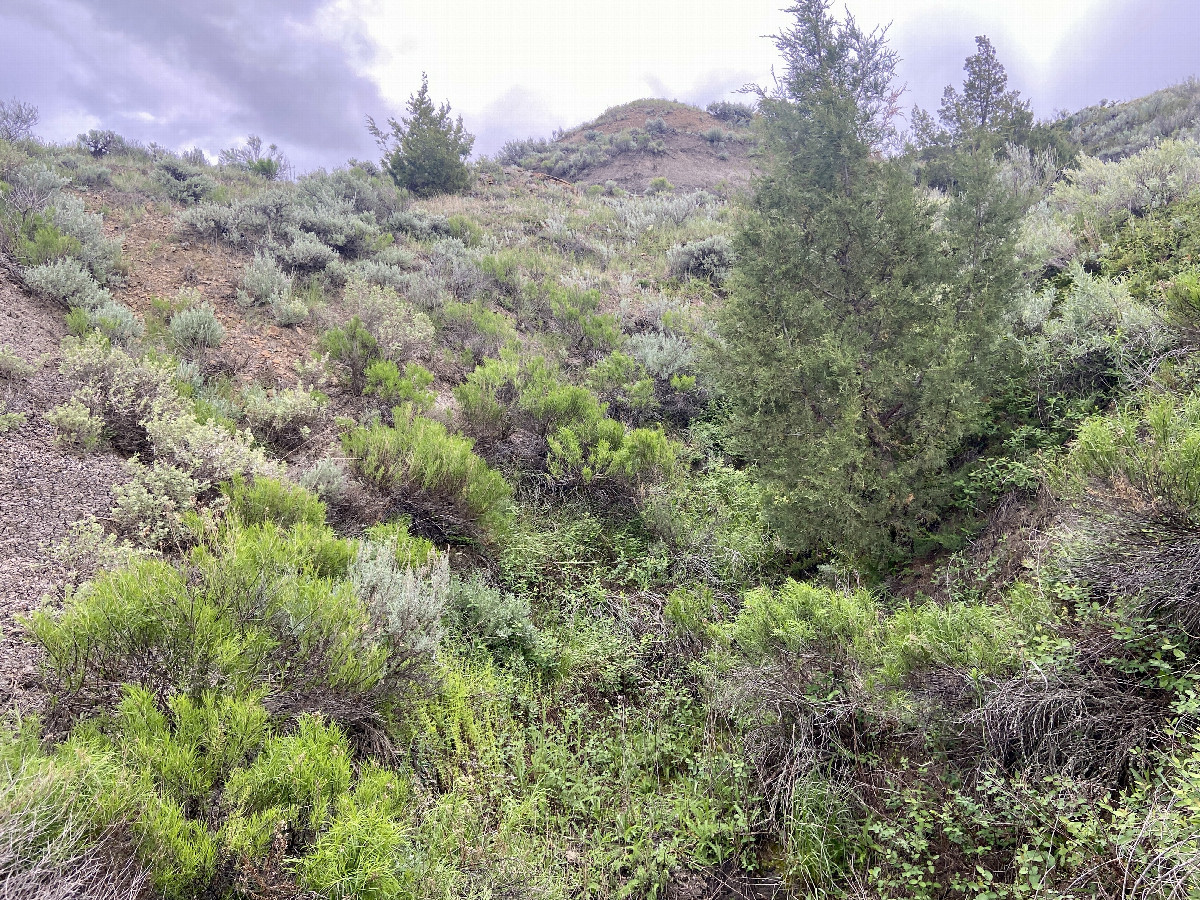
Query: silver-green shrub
x,y
289,310
328,480
661,353
97,251
406,604
116,321
710,258
263,281
281,418
196,329
66,281
149,508
497,619
74,425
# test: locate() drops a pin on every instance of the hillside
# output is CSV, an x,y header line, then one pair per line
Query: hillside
x,y
1112,130
360,546
633,144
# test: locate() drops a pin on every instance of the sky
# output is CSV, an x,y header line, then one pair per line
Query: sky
x,y
304,74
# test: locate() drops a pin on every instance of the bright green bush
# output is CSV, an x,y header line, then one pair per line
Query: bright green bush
x,y
384,380
259,500
417,459
353,348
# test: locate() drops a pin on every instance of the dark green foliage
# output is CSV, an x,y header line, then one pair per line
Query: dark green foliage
x,y
425,151
984,107
861,347
730,112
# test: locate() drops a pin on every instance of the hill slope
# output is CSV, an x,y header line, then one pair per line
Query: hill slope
x,y
632,144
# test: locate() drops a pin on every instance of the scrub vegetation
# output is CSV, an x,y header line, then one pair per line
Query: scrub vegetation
x,y
833,539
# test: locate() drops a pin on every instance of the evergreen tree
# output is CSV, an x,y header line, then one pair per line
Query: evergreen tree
x,y
426,151
861,341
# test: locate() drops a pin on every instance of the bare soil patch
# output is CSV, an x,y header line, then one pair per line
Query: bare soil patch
x,y
43,489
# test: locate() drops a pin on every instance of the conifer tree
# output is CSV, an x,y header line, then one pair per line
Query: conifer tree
x,y
426,151
862,338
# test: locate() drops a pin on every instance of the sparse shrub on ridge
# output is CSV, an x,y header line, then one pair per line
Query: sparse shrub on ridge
x,y
733,113
17,120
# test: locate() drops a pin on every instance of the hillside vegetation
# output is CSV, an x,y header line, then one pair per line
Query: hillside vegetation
x,y
1111,130
836,538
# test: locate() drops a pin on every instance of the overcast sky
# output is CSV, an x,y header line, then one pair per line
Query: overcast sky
x,y
305,73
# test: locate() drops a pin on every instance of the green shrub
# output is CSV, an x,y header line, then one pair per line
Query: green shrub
x,y
710,259
328,480
425,151
259,500
302,774
196,329
66,281
10,421
151,507
74,425
284,419
498,620
37,241
263,281
659,185
437,472
13,367
182,182
353,348
385,381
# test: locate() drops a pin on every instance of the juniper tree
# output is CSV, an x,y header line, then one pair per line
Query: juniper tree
x,y
861,341
425,151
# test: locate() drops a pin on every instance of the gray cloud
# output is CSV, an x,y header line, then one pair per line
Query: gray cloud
x,y
210,73
195,73
1137,47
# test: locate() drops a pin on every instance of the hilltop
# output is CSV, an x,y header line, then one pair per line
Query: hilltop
x,y
635,143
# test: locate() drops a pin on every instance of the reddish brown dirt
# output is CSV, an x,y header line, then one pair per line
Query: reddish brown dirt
x,y
161,263
690,163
